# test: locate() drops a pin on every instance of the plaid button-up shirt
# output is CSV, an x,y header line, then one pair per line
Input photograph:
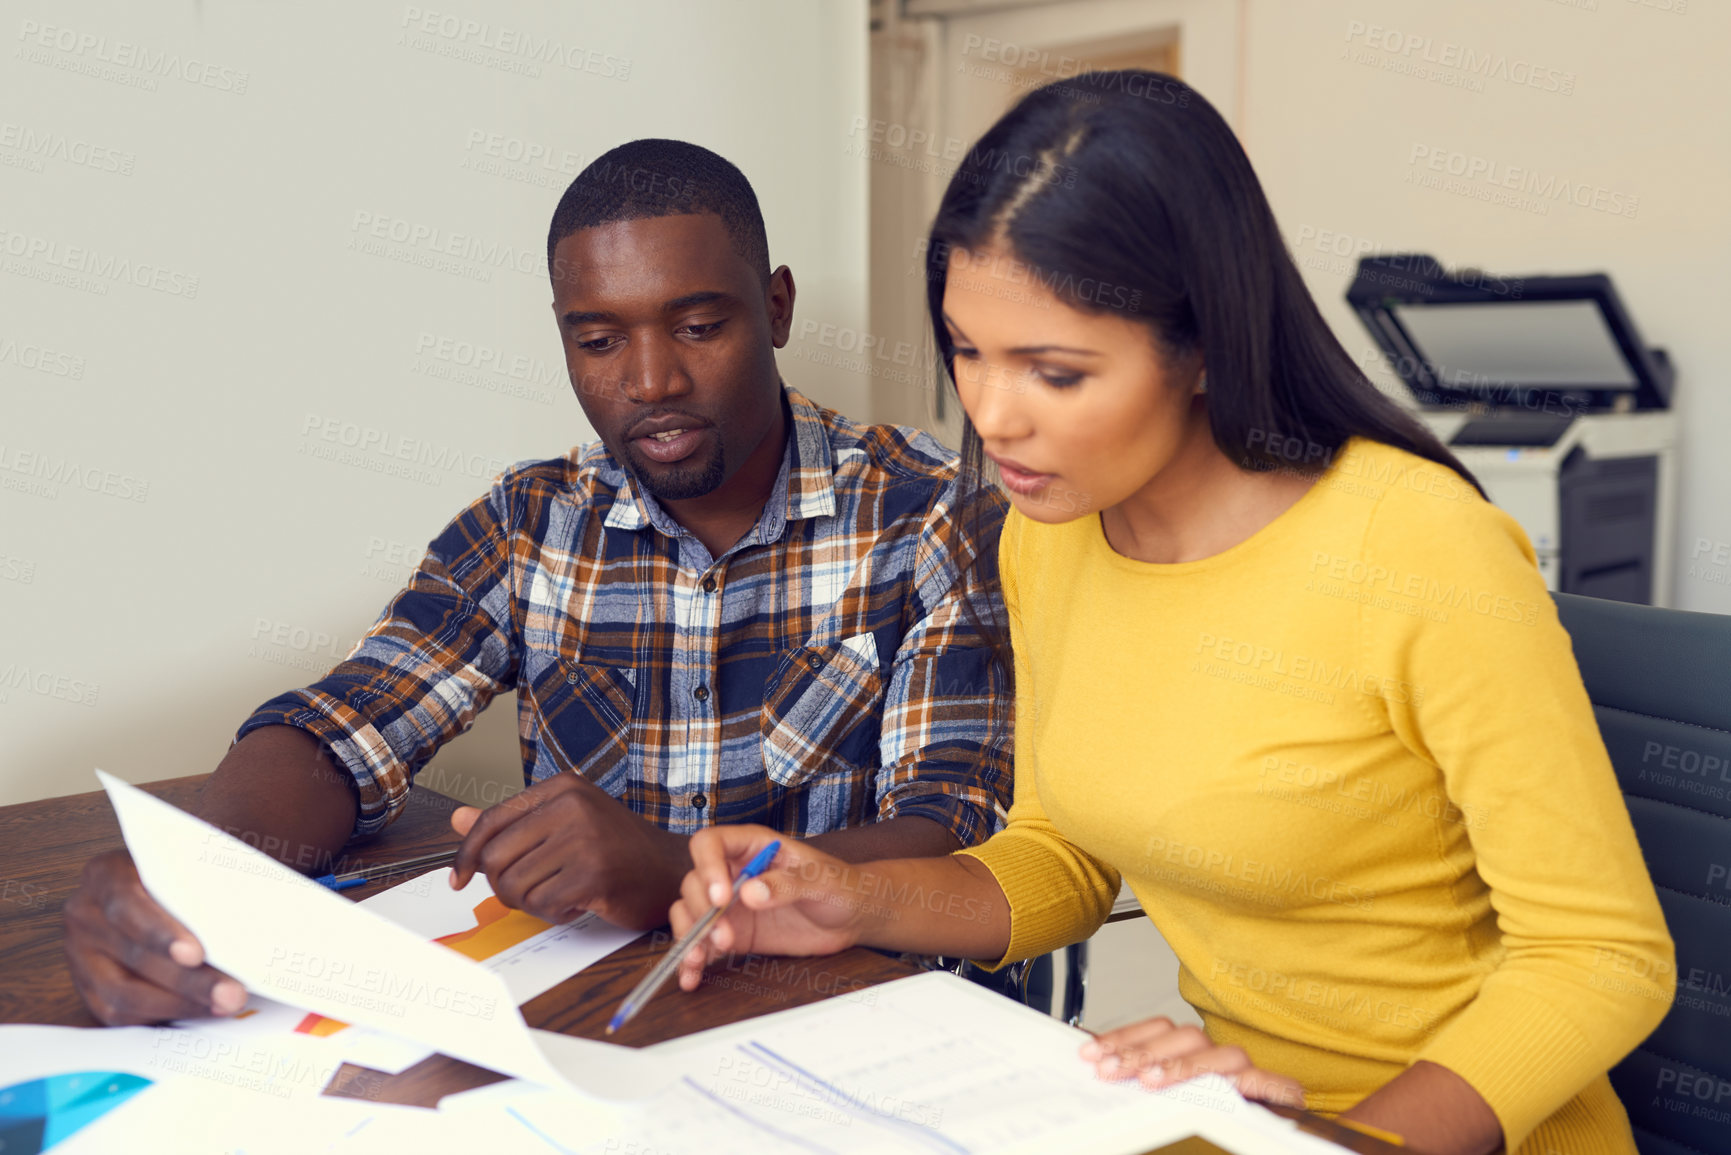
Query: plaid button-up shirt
x,y
821,673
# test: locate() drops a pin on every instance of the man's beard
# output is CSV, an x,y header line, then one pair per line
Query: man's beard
x,y
682,480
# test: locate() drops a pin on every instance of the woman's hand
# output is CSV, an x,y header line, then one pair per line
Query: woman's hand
x,y
801,905
1159,1053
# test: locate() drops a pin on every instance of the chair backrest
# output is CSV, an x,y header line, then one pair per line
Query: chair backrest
x,y
1660,682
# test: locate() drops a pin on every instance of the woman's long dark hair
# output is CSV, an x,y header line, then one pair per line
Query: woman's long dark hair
x,y
1125,192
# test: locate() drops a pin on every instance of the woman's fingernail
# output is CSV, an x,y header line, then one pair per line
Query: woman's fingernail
x,y
717,893
1110,1065
759,890
1091,1050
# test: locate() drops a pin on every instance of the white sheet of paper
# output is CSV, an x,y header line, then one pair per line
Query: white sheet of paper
x,y
213,1092
263,1020
428,906
182,1118
279,1069
208,1093
489,1120
929,1064
290,939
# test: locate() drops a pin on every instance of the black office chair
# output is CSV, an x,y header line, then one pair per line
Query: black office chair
x,y
1028,982
1660,682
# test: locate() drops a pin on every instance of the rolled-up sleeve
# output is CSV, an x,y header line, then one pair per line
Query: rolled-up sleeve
x,y
445,644
947,732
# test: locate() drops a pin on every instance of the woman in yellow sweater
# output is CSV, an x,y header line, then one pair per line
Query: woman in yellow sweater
x,y
1279,666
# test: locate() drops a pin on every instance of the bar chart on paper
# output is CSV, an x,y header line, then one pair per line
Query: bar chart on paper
x,y
532,956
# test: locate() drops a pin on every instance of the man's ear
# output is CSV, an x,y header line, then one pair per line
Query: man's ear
x,y
778,304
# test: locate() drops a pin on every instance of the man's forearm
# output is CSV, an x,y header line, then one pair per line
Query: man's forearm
x,y
897,838
277,789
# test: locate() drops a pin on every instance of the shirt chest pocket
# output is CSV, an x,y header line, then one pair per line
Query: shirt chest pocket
x,y
584,713
823,712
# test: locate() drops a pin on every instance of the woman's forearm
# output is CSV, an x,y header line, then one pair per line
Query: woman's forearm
x,y
1435,1110
950,906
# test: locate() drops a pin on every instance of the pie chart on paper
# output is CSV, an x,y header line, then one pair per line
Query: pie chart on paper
x,y
36,1115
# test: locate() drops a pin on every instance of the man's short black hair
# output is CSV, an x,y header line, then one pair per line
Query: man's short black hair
x,y
662,178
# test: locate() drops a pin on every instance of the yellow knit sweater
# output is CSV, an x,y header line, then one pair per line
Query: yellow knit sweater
x,y
1349,769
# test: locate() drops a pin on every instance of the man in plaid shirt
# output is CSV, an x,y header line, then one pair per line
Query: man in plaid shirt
x,y
737,606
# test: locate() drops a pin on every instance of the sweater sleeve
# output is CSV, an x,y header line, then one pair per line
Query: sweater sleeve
x,y
1584,969
1058,894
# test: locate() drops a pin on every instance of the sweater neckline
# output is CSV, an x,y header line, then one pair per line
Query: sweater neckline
x,y
1271,534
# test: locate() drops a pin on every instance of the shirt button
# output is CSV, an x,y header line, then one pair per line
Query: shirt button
x,y
701,693
571,678
698,802
709,584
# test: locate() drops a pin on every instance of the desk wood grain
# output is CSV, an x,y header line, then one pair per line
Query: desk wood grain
x,y
44,845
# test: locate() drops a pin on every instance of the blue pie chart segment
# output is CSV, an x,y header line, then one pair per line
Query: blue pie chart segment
x,y
36,1115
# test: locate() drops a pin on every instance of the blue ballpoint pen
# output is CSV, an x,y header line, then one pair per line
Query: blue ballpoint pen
x,y
353,878
641,993
348,882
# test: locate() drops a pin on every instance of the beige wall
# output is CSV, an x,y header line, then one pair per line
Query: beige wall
x,y
1628,104
195,554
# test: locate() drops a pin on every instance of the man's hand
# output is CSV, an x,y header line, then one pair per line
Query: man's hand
x,y
130,960
1159,1053
564,846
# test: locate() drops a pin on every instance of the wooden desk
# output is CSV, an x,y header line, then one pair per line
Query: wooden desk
x,y
44,845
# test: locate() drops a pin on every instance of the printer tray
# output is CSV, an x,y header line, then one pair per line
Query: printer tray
x,y
1514,428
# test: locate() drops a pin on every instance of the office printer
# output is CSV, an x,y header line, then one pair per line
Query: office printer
x,y
1544,389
